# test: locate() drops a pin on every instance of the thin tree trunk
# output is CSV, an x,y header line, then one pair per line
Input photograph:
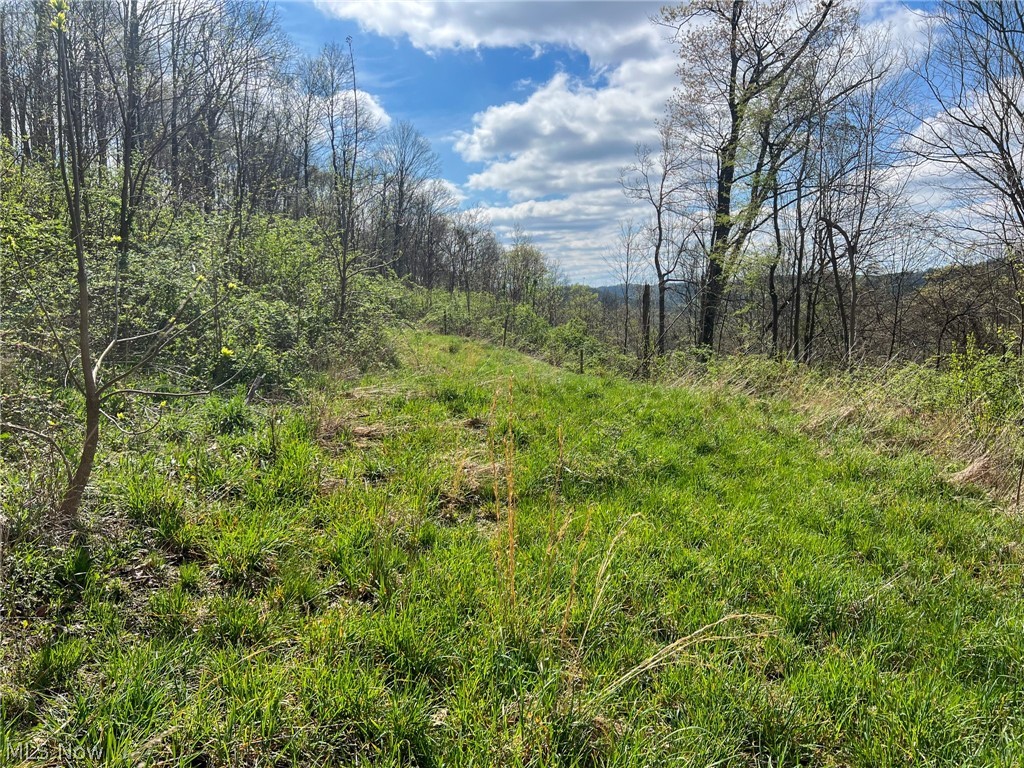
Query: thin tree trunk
x,y
625,324
128,151
6,116
645,326
662,329
69,155
773,292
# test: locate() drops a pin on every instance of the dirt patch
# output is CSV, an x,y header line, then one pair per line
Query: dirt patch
x,y
981,472
331,485
332,432
365,434
335,432
472,491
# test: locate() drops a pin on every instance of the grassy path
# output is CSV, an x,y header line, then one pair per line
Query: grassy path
x,y
480,560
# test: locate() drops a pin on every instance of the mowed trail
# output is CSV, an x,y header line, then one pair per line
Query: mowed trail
x,y
478,559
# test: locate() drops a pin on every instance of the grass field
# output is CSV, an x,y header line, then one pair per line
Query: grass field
x,y
481,560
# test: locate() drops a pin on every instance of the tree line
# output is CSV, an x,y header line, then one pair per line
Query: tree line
x,y
209,107
824,192
190,202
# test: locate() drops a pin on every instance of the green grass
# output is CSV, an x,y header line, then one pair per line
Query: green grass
x,y
682,576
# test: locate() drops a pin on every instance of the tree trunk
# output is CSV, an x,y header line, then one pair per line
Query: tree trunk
x,y
72,499
625,323
714,282
6,115
130,129
662,329
69,156
645,330
773,291
40,127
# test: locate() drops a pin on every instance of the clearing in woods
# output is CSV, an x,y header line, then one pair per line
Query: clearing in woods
x,y
482,560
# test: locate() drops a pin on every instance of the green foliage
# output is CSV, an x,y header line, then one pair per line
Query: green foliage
x,y
573,324
986,386
228,416
245,552
260,339
571,342
361,590
146,493
171,611
364,340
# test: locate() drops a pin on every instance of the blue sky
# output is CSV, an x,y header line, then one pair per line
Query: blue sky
x,y
532,106
438,89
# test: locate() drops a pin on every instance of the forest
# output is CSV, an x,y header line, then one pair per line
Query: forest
x,y
305,462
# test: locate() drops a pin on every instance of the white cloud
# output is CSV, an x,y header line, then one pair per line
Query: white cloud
x,y
372,105
906,25
578,230
552,158
556,156
607,31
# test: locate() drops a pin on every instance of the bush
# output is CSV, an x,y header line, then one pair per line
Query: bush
x,y
261,340
985,386
364,340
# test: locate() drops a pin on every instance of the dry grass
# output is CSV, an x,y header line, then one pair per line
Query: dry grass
x,y
894,427
889,413
338,432
467,495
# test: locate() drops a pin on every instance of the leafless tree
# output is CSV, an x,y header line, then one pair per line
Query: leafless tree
x,y
660,179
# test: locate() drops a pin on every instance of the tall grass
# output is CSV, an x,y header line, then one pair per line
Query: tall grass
x,y
967,412
482,560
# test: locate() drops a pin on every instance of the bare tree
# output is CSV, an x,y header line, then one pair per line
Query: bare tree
x,y
860,186
974,69
348,128
659,179
406,163
626,263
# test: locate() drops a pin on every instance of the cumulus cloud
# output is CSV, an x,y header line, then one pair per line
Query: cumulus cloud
x,y
607,31
905,24
550,161
557,155
552,158
575,230
371,104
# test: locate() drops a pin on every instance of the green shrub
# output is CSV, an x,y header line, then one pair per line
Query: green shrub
x,y
986,386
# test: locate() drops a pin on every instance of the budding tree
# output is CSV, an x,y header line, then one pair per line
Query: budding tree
x,y
739,63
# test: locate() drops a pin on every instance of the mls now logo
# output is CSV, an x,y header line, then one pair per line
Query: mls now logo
x,y
59,754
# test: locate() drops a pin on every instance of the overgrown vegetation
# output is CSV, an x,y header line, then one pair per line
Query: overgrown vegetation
x,y
968,413
479,559
302,465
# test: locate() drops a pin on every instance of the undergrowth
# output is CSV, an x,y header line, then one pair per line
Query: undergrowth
x,y
967,414
482,560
